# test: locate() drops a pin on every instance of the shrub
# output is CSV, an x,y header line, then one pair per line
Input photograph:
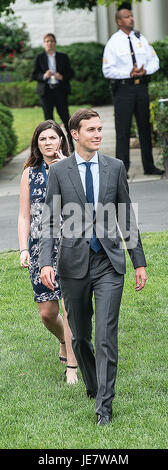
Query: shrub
x,y
157,90
14,41
161,48
19,94
8,139
162,125
3,149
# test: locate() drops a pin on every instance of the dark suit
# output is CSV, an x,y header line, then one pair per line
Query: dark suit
x,y
82,271
57,96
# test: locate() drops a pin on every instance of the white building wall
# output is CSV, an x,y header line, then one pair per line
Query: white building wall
x,y
102,24
69,27
151,18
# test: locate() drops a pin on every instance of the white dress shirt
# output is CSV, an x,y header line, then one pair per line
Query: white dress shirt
x,y
52,66
95,174
117,59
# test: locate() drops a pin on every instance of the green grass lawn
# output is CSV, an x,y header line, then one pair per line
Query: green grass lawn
x,y
38,410
27,119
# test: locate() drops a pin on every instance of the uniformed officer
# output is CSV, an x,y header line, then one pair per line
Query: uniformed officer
x,y
129,60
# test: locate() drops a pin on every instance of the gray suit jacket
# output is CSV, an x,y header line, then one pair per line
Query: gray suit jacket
x,y
64,183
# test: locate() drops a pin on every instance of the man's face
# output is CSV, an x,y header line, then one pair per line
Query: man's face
x,y
126,20
49,44
89,136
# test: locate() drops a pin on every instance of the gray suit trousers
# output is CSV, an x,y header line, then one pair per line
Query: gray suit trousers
x,y
99,370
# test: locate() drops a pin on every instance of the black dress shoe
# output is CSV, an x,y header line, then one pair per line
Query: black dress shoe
x,y
91,393
154,171
103,420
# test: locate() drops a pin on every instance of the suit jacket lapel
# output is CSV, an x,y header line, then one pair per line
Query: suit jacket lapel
x,y
103,177
76,179
45,60
58,60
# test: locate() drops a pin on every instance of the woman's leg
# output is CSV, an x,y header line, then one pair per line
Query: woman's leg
x,y
71,372
52,320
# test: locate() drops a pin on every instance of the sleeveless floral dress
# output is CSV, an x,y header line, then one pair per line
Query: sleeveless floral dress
x,y
37,184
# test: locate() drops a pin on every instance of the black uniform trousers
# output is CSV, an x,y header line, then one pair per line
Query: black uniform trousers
x,y
132,99
99,370
56,97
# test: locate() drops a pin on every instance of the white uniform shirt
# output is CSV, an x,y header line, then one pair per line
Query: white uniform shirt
x,y
117,59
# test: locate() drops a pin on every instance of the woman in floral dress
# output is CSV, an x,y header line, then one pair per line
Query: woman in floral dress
x,y
48,145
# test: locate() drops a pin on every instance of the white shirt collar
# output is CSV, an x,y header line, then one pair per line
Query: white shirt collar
x,y
124,34
80,160
51,55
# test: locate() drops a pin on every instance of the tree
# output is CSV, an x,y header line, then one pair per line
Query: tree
x,y
72,4
6,5
85,4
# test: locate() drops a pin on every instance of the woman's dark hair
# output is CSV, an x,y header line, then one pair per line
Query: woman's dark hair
x,y
36,157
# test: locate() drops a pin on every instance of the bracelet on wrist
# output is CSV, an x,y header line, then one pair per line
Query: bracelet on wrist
x,y
25,249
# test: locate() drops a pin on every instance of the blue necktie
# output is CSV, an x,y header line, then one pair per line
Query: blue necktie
x,y
94,242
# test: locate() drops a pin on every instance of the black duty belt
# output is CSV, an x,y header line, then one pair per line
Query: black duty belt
x,y
132,81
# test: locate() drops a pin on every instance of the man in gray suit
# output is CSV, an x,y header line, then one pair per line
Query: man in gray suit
x,y
91,190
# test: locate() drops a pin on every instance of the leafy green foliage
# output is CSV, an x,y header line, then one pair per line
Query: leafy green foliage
x,y
157,90
87,4
86,61
117,2
19,94
5,5
8,138
161,48
162,126
72,4
14,43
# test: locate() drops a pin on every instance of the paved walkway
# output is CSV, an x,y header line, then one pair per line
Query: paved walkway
x,y
151,192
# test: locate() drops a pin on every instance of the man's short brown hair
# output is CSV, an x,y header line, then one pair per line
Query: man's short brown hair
x,y
50,34
79,115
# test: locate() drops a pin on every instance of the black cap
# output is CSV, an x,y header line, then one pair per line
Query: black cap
x,y
125,6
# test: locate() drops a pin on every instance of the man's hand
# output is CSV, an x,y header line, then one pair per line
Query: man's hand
x,y
137,73
141,277
133,70
58,76
47,277
48,74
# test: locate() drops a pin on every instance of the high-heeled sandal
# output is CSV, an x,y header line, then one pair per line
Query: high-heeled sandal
x,y
62,358
76,379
